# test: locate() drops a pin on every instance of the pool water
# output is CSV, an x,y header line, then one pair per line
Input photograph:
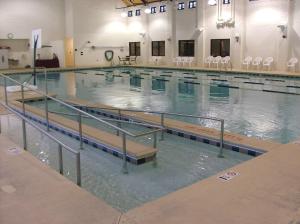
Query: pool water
x,y
180,162
244,101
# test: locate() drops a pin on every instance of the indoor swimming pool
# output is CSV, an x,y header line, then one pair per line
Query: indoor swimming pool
x,y
264,107
180,163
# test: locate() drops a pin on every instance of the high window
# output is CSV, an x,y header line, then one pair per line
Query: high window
x,y
158,48
180,6
226,2
163,8
192,4
186,48
129,13
137,12
134,48
220,47
153,10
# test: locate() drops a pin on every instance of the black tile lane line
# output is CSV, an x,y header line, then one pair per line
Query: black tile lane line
x,y
166,75
240,77
298,87
274,91
167,72
144,73
227,86
194,83
162,80
117,76
275,80
220,80
81,72
254,83
99,74
190,77
214,75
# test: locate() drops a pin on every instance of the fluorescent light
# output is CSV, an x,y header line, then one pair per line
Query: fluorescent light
x,y
212,2
123,14
147,11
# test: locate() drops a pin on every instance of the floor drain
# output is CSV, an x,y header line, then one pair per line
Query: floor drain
x,y
9,189
14,151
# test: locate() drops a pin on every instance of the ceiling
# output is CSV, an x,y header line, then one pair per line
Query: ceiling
x,y
137,2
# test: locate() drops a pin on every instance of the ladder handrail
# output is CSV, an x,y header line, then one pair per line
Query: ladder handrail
x,y
61,144
73,108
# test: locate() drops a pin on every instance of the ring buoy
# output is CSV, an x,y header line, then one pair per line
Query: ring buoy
x,y
109,55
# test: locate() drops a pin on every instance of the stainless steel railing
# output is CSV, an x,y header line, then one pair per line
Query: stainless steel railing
x,y
61,145
162,120
80,114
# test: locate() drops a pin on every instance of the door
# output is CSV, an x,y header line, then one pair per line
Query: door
x,y
69,52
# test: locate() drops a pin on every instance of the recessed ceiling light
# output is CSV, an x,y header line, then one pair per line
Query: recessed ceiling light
x,y
147,11
212,2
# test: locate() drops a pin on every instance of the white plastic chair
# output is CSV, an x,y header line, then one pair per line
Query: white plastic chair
x,y
268,62
177,61
257,62
216,61
208,60
190,61
292,64
247,62
225,62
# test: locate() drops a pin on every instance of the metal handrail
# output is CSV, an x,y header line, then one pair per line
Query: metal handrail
x,y
60,144
80,113
162,118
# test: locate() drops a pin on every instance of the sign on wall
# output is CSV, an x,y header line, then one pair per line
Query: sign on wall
x,y
36,34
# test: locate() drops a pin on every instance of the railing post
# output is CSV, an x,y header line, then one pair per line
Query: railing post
x,y
78,169
0,126
221,155
23,121
154,146
119,123
60,160
23,99
125,169
46,100
5,91
24,134
80,130
162,123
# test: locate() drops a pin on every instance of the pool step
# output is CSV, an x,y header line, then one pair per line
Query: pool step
x,y
107,142
235,142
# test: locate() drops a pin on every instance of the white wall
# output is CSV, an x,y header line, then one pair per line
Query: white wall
x,y
20,17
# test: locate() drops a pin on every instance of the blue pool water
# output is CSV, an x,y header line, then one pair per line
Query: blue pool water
x,y
244,101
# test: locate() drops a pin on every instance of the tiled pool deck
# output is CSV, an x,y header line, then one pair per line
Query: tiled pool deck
x,y
267,190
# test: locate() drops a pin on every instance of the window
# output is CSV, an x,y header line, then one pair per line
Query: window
x,y
158,48
129,13
153,10
220,47
134,48
163,8
192,4
226,2
186,48
137,12
180,6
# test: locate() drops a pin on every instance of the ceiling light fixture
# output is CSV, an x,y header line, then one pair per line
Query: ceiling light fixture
x,y
212,2
147,11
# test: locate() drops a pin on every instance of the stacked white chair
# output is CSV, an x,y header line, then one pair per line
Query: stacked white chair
x,y
247,62
257,62
217,60
177,61
291,65
208,61
268,63
187,60
225,62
